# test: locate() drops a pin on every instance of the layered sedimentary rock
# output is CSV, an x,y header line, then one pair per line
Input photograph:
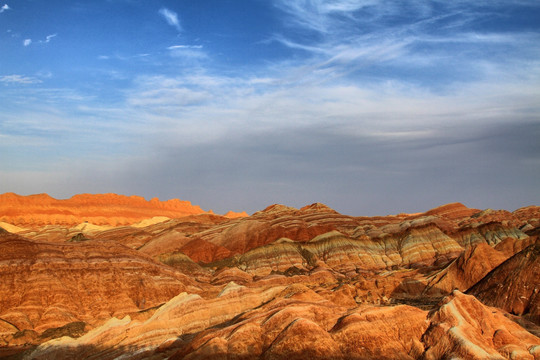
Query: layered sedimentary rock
x,y
160,237
182,315
49,285
294,322
422,242
267,226
282,283
452,211
300,324
471,266
463,328
432,238
514,285
345,254
100,209
529,217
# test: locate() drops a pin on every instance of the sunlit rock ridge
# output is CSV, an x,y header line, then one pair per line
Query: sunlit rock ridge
x,y
97,209
109,276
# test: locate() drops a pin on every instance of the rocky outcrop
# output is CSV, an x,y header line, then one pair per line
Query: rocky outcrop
x,y
282,283
265,227
514,286
100,209
234,215
161,237
299,324
416,247
452,211
182,315
529,217
48,285
432,238
303,326
153,236
471,266
462,328
294,322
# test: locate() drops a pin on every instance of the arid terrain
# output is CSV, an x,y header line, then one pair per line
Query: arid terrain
x,y
111,276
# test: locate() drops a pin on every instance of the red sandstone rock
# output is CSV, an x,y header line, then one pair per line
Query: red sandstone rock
x,y
294,322
463,328
48,285
453,211
100,209
234,215
514,285
466,270
282,283
529,215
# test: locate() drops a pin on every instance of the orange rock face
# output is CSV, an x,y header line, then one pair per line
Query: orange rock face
x,y
471,266
101,209
294,322
461,327
48,285
515,285
284,283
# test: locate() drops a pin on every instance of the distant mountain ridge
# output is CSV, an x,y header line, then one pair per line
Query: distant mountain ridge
x,y
99,209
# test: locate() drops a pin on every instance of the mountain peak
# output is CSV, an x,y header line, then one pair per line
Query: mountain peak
x,y
318,207
100,209
454,210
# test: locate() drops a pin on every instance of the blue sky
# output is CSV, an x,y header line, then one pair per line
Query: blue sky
x,y
372,107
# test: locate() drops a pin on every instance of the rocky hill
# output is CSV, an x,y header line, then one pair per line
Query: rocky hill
x,y
100,209
452,282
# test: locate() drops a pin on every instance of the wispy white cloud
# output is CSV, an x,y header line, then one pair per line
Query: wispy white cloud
x,y
175,47
355,103
198,126
171,17
386,40
44,74
193,52
18,79
124,57
295,45
49,37
386,110
320,15
4,8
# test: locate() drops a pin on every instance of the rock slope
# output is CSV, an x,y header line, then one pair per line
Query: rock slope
x,y
48,285
514,285
294,322
282,283
100,209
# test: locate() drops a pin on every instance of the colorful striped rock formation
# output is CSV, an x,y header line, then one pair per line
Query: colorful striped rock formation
x,y
35,211
110,276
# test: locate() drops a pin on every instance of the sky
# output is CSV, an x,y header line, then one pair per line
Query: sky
x,y
371,107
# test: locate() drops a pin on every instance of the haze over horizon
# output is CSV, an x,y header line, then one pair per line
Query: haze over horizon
x,y
371,107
